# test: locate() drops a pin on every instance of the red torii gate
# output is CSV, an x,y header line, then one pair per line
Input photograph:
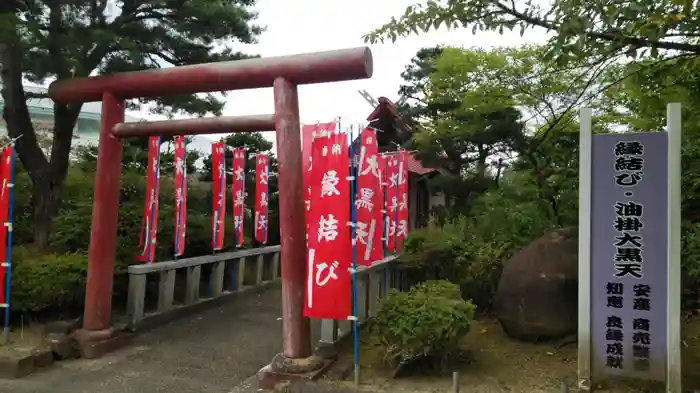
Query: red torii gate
x,y
283,74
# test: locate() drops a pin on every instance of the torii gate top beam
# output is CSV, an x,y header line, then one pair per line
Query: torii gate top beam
x,y
202,125
309,68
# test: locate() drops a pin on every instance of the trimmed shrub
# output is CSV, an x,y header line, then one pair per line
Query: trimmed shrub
x,y
425,323
42,282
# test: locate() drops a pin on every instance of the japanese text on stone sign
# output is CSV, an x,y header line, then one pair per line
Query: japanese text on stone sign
x,y
629,166
629,262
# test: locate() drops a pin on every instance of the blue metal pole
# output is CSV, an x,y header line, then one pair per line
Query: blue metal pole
x,y
385,228
355,322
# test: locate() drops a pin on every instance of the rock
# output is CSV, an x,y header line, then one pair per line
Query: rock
x,y
62,345
537,296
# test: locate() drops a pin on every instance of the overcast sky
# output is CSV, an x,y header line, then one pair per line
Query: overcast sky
x,y
303,26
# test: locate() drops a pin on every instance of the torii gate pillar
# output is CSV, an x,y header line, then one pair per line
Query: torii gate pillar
x,y
284,74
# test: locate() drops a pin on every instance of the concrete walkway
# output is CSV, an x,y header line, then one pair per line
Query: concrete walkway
x,y
211,352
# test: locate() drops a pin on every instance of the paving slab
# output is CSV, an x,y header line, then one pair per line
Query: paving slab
x,y
216,351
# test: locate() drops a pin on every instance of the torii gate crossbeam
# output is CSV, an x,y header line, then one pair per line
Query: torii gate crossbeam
x,y
283,74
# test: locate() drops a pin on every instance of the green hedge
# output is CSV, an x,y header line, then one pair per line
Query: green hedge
x,y
425,323
42,282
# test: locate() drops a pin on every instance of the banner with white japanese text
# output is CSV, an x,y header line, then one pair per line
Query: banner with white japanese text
x,y
238,193
149,228
330,247
308,133
392,200
5,219
369,201
218,167
180,173
402,194
262,198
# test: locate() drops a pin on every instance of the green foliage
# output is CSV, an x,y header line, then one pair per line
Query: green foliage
x,y
536,190
501,126
475,109
596,30
470,250
43,282
429,252
426,322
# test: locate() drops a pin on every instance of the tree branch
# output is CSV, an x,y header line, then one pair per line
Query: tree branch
x,y
626,40
31,95
54,39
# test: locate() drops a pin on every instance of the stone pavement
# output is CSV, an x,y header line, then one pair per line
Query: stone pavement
x,y
216,351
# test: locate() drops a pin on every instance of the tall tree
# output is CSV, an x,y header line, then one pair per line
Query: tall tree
x,y
46,39
463,120
488,107
414,89
582,29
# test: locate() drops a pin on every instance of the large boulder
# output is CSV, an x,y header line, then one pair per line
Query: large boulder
x,y
538,293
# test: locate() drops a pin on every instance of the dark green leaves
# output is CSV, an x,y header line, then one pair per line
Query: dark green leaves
x,y
427,322
582,29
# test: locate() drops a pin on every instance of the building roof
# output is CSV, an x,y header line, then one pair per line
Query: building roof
x,y
415,166
387,118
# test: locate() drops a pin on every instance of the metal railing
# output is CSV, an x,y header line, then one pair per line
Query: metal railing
x,y
247,269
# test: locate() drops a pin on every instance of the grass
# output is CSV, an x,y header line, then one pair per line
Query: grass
x,y
500,364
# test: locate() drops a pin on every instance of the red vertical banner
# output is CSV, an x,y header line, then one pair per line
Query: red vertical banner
x,y
238,193
180,174
6,178
329,260
369,201
308,133
402,194
392,200
218,168
262,198
149,229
